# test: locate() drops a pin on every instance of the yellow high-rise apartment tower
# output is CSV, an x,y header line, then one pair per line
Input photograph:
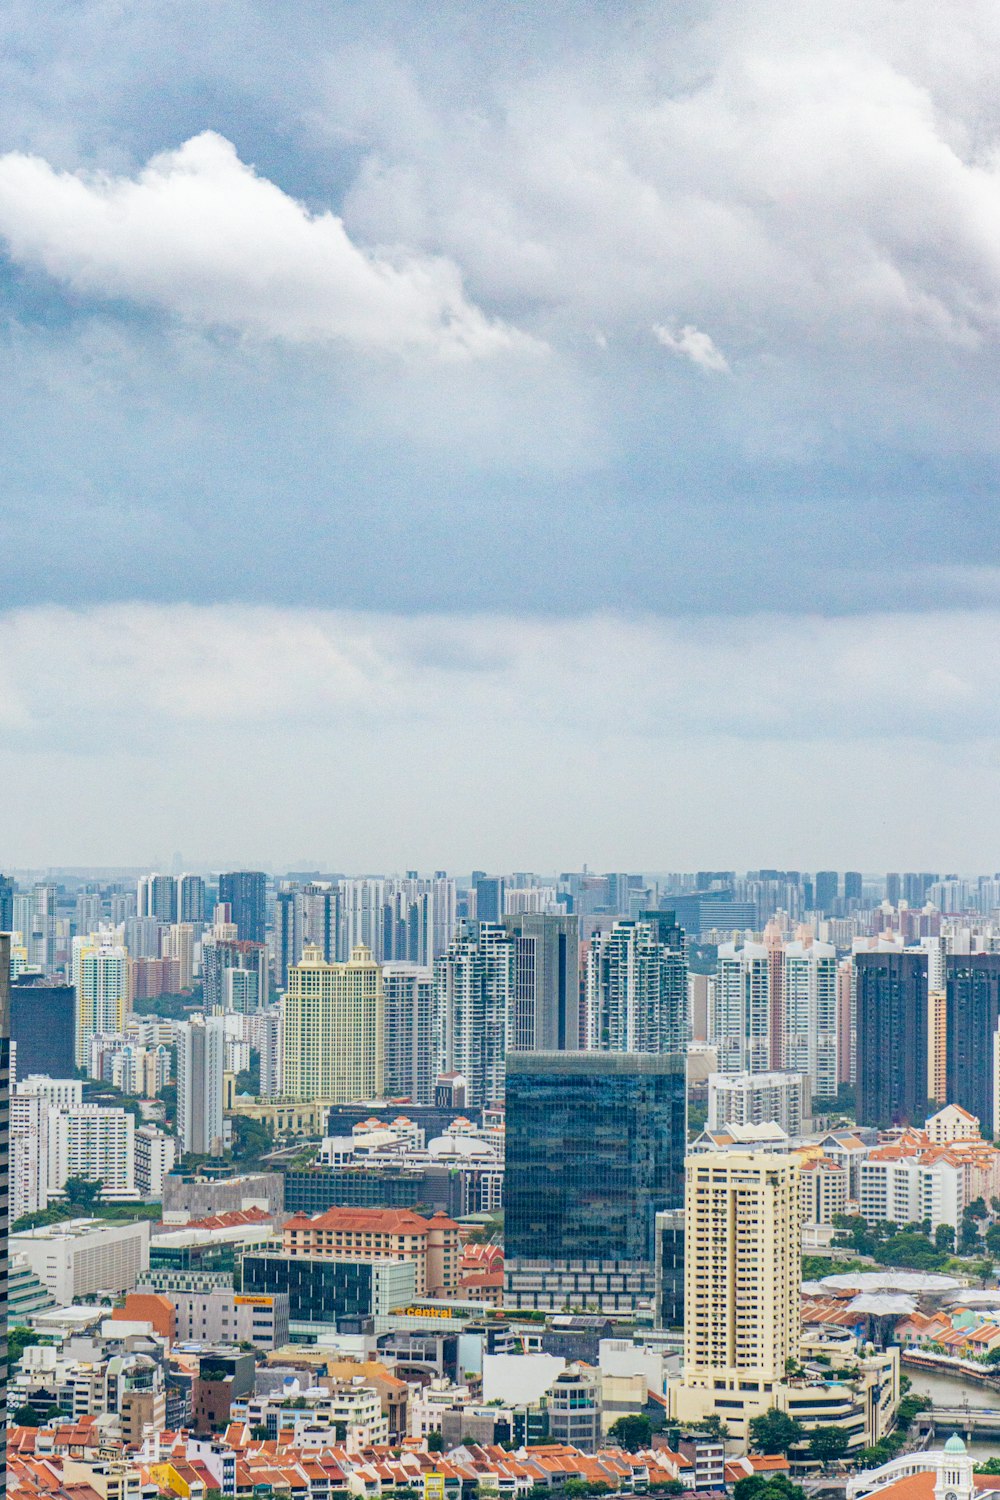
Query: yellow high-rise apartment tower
x,y
742,1281
333,1025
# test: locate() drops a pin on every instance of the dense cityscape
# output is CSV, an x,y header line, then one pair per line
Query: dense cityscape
x,y
476,478
435,1185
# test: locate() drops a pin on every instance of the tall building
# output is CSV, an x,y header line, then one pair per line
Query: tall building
x,y
809,1034
826,891
29,1153
320,904
490,898
191,899
6,903
333,1028
101,981
740,1020
972,1015
595,1144
411,1032
759,1099
472,995
288,935
220,956
893,888
245,893
43,1026
544,1002
4,1179
96,1143
40,935
201,1063
775,1008
892,1016
742,1285
853,886
637,987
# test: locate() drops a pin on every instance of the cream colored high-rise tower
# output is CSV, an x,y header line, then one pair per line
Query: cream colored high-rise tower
x,y
333,1025
742,1283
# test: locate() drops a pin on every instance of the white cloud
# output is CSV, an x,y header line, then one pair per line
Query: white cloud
x,y
354,741
690,343
167,668
828,179
199,234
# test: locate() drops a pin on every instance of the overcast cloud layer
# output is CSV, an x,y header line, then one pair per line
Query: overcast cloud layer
x,y
623,380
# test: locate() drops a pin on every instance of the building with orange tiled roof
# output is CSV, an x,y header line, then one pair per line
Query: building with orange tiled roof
x,y
434,1244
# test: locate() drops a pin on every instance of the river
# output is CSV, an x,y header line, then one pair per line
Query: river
x,y
951,1390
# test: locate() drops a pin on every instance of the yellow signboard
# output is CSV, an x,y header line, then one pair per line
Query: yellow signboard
x,y
254,1301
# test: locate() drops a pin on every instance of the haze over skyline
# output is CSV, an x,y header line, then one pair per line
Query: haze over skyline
x,y
508,436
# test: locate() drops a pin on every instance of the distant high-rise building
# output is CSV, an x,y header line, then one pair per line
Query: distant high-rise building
x,y
191,899
544,1014
892,1019
163,899
852,885
320,906
972,1015
4,1180
101,981
288,923
43,1026
40,935
201,1063
245,892
783,1099
411,1032
740,1020
742,1285
472,996
809,1038
489,898
595,1144
220,955
893,888
6,903
333,1023
774,1007
826,891
637,987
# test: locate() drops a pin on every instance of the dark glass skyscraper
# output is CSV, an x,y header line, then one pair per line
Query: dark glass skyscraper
x,y
489,898
826,890
595,1148
972,1011
892,1038
244,891
43,1026
6,903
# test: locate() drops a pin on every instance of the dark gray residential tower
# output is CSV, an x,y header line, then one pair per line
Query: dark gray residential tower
x,y
244,891
892,1038
972,1012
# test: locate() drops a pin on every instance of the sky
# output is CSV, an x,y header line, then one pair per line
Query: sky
x,y
500,435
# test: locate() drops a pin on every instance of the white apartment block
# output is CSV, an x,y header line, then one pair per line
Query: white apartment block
x,y
84,1257
155,1153
905,1190
822,1190
59,1093
29,1154
809,1014
97,1143
740,1017
759,1099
